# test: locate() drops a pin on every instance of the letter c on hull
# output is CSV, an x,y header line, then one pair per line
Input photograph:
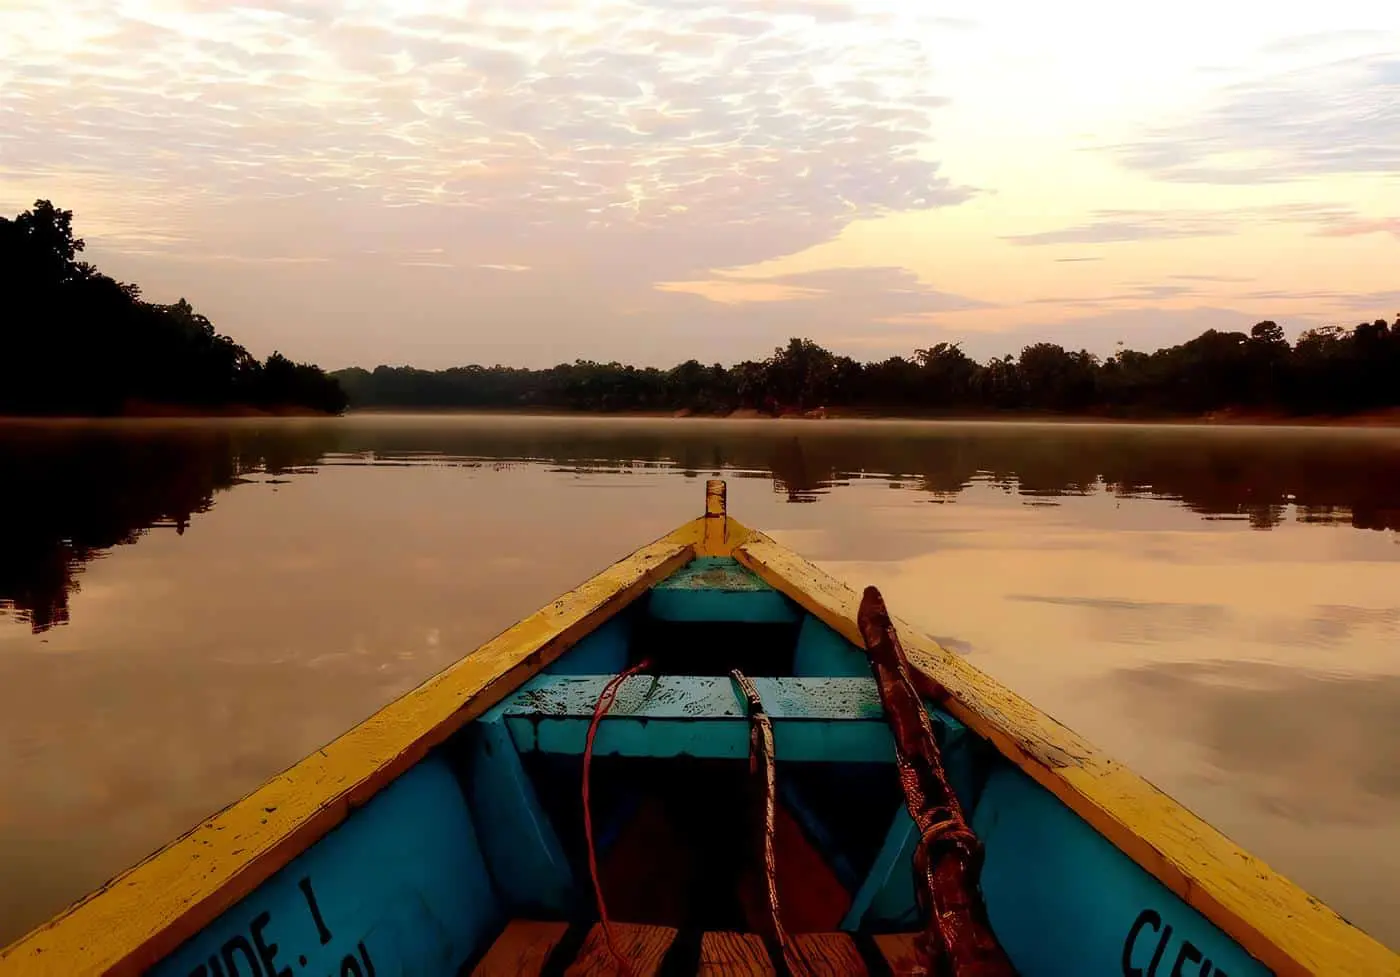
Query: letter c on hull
x,y
1148,917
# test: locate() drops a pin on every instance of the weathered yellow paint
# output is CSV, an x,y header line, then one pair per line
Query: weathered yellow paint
x,y
1275,920
735,535
140,916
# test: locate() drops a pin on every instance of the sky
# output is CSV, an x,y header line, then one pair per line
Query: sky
x,y
440,182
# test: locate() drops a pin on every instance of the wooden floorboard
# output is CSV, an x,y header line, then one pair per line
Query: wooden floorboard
x,y
734,955
524,948
643,946
898,951
825,955
521,950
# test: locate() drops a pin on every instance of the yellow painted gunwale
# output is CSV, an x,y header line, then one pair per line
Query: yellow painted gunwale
x,y
1286,929
144,913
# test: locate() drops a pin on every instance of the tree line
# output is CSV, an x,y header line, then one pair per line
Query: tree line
x,y
75,341
1330,370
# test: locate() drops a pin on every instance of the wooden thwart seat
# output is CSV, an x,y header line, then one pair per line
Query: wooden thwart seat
x,y
526,947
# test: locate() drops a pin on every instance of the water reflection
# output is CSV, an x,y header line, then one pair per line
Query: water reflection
x,y
1281,732
76,489
1328,475
1303,763
1139,621
71,491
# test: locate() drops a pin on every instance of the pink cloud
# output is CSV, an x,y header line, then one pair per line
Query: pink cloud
x,y
1360,226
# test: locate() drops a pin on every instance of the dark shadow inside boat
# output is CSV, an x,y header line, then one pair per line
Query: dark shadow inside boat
x,y
679,840
714,647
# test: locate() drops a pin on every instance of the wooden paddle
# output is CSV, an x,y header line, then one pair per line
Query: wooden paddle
x,y
958,941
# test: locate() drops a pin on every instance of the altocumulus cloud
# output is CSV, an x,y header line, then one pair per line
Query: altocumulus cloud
x,y
688,134
1341,116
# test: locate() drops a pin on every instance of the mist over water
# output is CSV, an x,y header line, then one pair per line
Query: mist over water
x,y
187,607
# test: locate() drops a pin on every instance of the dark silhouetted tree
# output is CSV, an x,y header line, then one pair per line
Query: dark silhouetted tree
x,y
74,341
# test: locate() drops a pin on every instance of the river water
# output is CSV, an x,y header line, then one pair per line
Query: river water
x,y
187,607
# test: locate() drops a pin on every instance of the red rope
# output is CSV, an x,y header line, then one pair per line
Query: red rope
x,y
605,701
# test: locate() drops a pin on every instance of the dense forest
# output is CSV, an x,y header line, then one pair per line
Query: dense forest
x,y
1332,370
74,341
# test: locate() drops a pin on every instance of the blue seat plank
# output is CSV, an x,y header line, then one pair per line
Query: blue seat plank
x,y
828,719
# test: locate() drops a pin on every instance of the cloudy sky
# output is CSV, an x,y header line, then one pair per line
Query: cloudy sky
x,y
528,181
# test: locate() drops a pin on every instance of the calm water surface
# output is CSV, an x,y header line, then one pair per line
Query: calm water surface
x,y
188,607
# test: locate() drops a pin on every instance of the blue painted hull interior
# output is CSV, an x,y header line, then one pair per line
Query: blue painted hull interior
x,y
488,828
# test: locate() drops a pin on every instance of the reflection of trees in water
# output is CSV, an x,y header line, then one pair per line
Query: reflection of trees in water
x,y
792,474
1328,475
73,491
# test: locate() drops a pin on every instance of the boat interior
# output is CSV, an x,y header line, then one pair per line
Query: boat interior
x,y
476,861
673,796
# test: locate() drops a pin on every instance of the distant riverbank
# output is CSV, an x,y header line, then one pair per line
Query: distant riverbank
x,y
143,411
1382,418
